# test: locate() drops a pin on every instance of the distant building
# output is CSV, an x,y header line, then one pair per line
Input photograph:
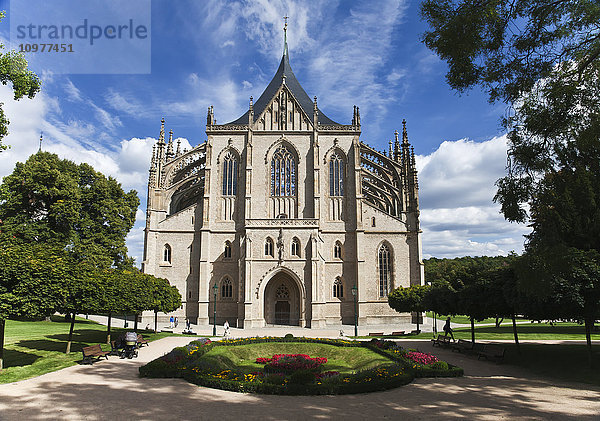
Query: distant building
x,y
286,212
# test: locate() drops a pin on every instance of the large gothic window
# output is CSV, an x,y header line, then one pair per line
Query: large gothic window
x,y
336,175
229,174
283,173
385,272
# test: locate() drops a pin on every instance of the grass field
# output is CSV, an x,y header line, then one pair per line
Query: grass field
x,y
342,359
35,348
467,321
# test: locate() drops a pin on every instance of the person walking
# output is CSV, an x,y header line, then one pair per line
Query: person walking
x,y
448,330
226,328
171,320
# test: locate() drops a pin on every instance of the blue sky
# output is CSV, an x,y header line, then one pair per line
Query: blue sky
x,y
365,53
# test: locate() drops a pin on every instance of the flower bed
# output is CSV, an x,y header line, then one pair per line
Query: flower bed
x,y
294,374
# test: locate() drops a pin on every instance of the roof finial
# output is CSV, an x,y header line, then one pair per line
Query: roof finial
x,y
285,47
404,133
41,139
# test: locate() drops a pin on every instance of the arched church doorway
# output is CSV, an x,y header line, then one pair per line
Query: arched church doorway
x,y
282,301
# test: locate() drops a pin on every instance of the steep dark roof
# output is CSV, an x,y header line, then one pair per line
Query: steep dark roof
x,y
294,86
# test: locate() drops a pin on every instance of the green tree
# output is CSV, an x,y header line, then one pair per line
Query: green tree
x,y
541,58
55,201
409,299
31,278
13,69
165,297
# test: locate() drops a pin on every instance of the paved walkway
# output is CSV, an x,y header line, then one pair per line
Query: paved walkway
x,y
112,390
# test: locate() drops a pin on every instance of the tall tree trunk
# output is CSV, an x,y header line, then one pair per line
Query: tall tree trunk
x,y
418,317
71,333
499,320
514,324
2,324
588,339
108,328
135,323
472,330
155,321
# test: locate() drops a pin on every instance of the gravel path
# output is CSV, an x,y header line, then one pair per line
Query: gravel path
x,y
112,390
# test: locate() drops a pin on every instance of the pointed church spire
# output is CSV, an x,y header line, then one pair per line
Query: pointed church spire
x,y
396,146
178,147
41,140
285,47
404,134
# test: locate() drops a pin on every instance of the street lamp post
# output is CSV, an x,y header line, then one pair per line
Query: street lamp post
x,y
216,289
355,293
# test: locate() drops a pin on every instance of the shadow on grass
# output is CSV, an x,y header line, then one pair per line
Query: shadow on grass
x,y
14,358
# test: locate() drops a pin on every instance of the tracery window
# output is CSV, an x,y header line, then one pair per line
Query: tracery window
x,y
295,248
283,173
282,292
336,175
227,250
337,250
338,288
229,174
269,247
167,253
226,288
385,272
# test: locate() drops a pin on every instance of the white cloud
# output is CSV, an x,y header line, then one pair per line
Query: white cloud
x,y
127,104
458,215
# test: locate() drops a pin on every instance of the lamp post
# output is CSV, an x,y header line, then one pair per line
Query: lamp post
x,y
355,293
216,289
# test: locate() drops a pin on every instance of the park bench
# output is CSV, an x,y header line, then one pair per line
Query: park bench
x,y
463,346
442,340
376,334
399,333
491,351
93,352
141,341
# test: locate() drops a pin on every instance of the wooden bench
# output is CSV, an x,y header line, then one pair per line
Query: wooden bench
x,y
141,341
463,346
442,340
376,334
93,352
399,333
491,351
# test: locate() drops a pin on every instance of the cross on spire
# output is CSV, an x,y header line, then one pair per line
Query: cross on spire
x,y
285,47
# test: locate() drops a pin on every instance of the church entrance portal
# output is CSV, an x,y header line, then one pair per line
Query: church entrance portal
x,y
282,301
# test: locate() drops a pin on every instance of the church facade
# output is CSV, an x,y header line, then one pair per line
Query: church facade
x,y
284,217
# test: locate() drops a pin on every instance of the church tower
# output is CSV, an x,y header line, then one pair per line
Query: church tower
x,y
284,216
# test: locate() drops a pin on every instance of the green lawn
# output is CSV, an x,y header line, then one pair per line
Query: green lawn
x,y
342,359
526,331
35,348
466,320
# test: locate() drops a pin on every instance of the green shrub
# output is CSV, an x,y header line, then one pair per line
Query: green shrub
x,y
302,377
288,336
439,365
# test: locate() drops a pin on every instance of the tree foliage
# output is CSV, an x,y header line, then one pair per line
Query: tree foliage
x,y
542,58
55,201
13,69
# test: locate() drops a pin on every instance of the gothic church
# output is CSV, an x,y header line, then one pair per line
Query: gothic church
x,y
284,217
